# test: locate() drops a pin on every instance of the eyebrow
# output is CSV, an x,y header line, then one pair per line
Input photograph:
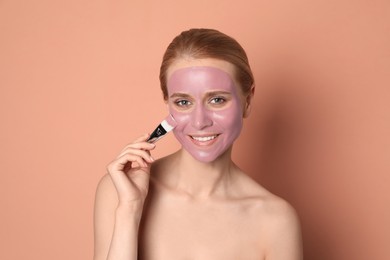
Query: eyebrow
x,y
217,93
208,94
179,95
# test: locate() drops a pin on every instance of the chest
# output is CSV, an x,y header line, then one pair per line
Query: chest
x,y
207,232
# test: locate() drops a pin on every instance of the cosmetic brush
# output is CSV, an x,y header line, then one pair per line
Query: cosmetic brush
x,y
162,129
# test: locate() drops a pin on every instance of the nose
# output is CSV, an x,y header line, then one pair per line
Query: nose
x,y
201,118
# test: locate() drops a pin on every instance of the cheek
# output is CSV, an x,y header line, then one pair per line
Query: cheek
x,y
230,118
181,119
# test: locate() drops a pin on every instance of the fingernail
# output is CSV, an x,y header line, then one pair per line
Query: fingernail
x,y
151,158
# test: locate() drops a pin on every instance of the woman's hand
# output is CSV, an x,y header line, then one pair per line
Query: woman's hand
x,y
130,173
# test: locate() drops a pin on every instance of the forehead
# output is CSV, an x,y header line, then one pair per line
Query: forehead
x,y
200,79
206,62
199,75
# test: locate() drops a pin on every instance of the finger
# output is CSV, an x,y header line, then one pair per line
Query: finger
x,y
119,164
142,138
139,145
139,160
142,153
119,178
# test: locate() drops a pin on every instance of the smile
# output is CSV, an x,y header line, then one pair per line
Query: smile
x,y
203,138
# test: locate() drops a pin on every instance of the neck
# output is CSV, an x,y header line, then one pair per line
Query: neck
x,y
200,180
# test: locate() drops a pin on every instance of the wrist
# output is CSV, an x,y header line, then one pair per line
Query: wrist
x,y
133,208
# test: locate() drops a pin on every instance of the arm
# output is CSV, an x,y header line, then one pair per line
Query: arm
x,y
124,243
115,227
119,202
285,235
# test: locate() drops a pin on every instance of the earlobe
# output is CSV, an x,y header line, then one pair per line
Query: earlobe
x,y
247,110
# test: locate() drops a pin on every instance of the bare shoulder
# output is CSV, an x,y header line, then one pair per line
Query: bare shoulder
x,y
105,183
105,191
282,232
277,212
277,222
106,201
280,219
267,204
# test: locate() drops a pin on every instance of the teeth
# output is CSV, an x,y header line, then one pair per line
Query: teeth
x,y
204,138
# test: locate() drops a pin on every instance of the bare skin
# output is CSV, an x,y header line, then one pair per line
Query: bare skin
x,y
181,208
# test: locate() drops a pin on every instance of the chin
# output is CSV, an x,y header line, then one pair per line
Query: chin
x,y
207,157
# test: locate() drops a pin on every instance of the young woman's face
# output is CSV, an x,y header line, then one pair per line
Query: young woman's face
x,y
207,106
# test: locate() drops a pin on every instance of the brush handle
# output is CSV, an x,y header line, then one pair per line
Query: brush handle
x,y
157,134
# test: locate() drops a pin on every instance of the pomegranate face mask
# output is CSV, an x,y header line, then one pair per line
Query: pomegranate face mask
x,y
207,108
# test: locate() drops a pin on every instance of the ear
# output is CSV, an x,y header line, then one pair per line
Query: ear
x,y
248,102
165,100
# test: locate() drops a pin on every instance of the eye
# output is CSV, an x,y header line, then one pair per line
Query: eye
x,y
182,103
217,100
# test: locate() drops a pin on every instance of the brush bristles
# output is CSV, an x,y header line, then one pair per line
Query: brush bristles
x,y
166,126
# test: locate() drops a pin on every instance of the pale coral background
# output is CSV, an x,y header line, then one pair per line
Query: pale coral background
x,y
79,79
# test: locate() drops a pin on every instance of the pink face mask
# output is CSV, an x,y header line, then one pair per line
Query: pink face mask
x,y
208,111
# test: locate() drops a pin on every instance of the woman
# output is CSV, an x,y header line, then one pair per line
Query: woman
x,y
195,203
